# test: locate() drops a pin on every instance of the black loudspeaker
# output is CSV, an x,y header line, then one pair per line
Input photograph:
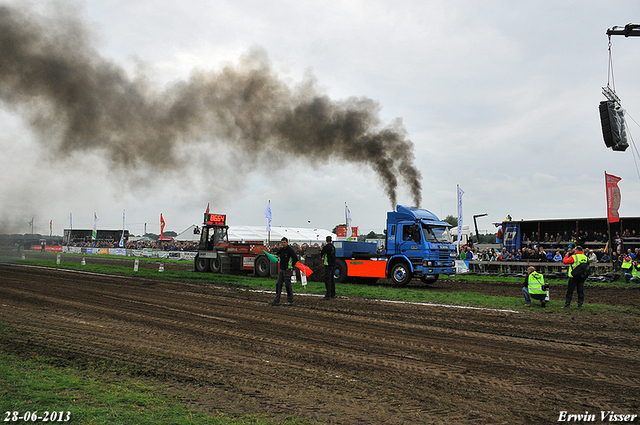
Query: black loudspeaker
x,y
613,127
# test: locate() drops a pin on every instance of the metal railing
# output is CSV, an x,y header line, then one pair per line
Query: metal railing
x,y
514,267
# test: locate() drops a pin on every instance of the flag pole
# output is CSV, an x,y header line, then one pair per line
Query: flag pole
x,y
268,216
269,234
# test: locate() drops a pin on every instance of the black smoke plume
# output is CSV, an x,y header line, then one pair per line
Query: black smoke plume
x,y
77,100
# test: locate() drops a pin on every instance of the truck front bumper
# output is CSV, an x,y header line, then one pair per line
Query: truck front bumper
x,y
435,270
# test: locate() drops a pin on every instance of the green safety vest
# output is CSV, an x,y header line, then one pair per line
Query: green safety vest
x,y
627,262
635,272
577,259
535,282
325,257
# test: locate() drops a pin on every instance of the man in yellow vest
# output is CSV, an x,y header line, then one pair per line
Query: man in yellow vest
x,y
573,259
534,287
627,266
635,272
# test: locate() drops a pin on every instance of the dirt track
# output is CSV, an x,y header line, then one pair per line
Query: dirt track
x,y
343,361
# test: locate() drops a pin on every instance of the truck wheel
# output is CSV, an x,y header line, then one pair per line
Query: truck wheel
x,y
262,266
340,271
216,265
201,264
430,278
401,274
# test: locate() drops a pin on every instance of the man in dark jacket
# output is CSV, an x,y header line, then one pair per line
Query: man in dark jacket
x,y
573,259
288,260
328,255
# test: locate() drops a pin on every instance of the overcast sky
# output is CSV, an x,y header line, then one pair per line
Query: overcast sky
x,y
499,97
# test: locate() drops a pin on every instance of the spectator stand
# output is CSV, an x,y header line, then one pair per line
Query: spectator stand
x,y
519,268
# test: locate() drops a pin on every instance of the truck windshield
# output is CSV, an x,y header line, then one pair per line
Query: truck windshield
x,y
436,233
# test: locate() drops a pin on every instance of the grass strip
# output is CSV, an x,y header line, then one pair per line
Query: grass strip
x,y
90,396
387,292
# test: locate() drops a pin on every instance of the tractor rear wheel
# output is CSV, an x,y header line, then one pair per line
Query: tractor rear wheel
x,y
262,266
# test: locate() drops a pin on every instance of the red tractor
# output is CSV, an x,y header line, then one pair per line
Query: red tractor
x,y
217,255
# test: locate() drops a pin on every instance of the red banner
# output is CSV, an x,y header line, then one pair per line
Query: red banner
x,y
613,197
341,232
161,227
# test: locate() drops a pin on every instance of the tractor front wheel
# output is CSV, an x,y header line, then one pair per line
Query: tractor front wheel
x,y
216,265
201,264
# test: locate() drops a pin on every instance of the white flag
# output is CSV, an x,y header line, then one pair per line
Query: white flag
x,y
121,244
267,214
460,193
94,234
347,215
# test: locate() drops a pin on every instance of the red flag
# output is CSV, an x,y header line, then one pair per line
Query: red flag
x,y
304,269
161,227
613,197
207,211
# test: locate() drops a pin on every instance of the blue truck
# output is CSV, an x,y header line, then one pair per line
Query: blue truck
x,y
417,245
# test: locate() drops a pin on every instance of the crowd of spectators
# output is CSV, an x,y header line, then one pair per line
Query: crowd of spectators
x,y
299,249
564,238
171,245
579,238
100,243
539,254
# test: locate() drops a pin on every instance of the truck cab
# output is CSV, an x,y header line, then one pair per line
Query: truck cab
x,y
418,245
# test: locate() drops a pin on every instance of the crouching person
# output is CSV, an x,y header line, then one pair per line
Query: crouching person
x,y
534,287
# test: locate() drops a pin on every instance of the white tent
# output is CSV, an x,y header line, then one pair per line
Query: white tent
x,y
187,235
297,235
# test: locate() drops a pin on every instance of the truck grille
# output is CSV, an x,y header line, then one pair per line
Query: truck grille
x,y
443,255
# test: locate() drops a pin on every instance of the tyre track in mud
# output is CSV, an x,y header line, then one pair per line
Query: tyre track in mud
x,y
367,362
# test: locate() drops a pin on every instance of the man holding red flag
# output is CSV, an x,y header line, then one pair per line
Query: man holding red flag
x,y
288,260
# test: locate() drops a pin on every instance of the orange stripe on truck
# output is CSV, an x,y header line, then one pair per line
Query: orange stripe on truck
x,y
366,268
